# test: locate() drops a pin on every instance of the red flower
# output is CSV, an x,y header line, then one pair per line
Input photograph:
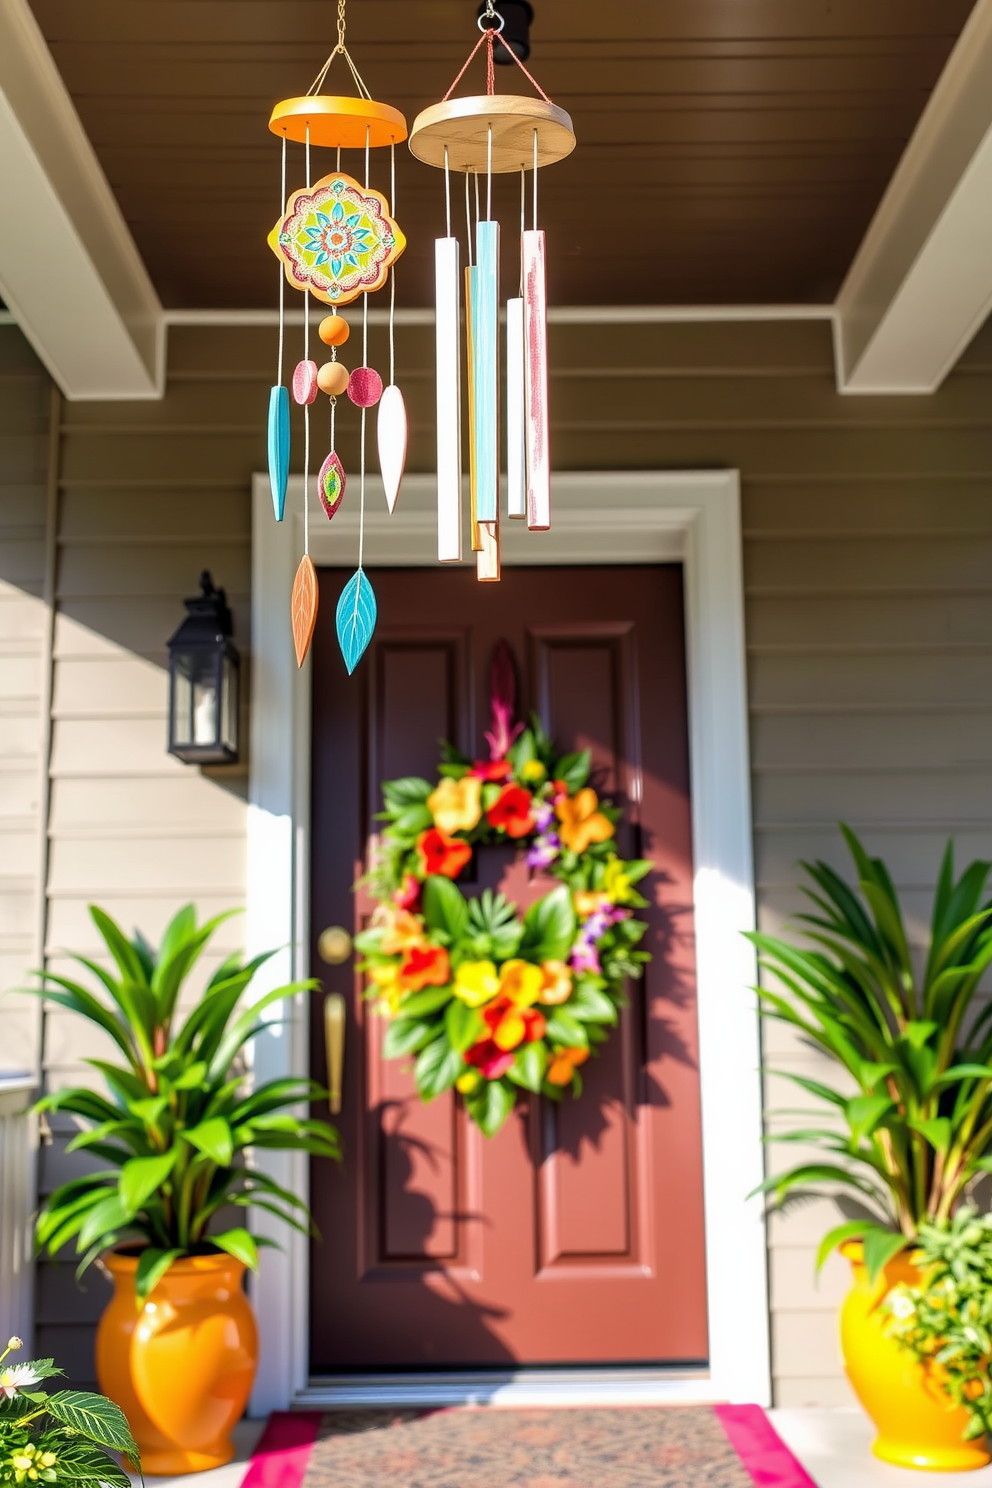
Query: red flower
x,y
512,811
512,1026
425,966
489,1059
408,895
442,854
492,769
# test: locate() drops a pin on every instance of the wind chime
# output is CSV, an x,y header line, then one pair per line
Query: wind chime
x,y
336,239
482,137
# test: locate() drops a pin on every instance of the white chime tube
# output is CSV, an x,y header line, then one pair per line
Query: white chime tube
x,y
485,345
516,412
536,381
447,286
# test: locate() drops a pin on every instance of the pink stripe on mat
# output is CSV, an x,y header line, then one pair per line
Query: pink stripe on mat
x,y
761,1449
283,1451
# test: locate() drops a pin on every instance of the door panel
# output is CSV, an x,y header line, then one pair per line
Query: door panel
x,y
576,1234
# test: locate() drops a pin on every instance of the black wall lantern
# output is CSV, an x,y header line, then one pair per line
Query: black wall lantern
x,y
517,16
203,681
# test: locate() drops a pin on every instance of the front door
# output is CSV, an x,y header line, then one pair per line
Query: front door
x,y
576,1234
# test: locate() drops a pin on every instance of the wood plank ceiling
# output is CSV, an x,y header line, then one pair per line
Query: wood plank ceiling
x,y
730,151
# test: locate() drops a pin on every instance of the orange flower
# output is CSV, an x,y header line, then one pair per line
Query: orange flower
x,y
562,1067
587,903
511,811
402,930
425,966
556,983
510,1026
442,854
582,823
520,982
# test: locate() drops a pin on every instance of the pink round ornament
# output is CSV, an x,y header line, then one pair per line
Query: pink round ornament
x,y
305,382
365,387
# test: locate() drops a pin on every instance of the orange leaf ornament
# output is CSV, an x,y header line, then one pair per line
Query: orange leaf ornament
x,y
304,607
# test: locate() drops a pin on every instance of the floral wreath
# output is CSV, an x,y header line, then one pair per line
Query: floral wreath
x,y
483,999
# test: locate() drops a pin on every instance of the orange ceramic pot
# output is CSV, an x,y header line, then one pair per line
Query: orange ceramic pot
x,y
917,1424
181,1365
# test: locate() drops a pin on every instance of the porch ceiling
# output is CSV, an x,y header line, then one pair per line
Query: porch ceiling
x,y
748,142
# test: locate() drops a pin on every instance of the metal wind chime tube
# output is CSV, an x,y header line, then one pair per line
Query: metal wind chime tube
x,y
336,238
482,136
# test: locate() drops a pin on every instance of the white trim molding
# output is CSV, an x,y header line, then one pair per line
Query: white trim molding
x,y
599,517
921,282
69,268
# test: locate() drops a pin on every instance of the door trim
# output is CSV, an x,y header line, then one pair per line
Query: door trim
x,y
600,517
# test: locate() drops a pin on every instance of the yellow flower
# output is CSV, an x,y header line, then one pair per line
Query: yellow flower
x,y
387,984
521,982
582,823
401,931
616,884
456,805
476,982
587,903
467,1082
533,772
556,983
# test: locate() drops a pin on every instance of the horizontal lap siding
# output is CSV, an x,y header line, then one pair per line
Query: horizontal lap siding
x,y
25,409
868,575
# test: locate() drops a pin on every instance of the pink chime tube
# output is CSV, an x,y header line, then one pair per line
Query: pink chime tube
x,y
536,381
447,287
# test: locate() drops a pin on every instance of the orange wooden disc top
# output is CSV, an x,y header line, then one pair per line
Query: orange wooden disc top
x,y
333,121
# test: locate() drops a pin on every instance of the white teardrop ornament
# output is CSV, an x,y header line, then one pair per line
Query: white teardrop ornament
x,y
391,435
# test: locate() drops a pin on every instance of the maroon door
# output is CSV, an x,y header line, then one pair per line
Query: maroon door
x,y
576,1234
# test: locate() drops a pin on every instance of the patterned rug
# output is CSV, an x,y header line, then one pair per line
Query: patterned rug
x,y
616,1447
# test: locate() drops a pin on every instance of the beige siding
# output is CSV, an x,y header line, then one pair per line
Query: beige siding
x,y
25,658
868,573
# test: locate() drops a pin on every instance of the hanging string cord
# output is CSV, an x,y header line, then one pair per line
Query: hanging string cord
x,y
523,220
535,180
485,39
282,275
468,221
447,195
306,406
341,49
489,176
392,271
365,362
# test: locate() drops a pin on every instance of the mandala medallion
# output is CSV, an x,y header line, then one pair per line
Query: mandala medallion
x,y
337,239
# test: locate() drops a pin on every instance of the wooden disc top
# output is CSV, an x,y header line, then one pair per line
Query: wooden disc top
x,y
463,125
344,122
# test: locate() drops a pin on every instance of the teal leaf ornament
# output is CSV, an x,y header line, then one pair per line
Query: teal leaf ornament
x,y
278,448
355,618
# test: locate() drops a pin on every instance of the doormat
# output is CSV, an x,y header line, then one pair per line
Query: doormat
x,y
722,1446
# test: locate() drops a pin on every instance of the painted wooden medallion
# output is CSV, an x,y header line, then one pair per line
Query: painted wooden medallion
x,y
391,436
304,607
337,239
331,482
364,387
305,382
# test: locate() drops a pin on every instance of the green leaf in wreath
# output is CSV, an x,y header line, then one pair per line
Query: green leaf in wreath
x,y
549,927
437,1068
462,1024
590,1005
94,1417
444,908
529,1066
405,1036
409,790
419,1004
564,1029
573,769
490,1107
413,820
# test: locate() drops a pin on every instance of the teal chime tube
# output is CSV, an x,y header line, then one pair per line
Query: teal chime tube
x,y
485,348
278,448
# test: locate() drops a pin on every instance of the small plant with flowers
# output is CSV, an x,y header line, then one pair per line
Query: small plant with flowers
x,y
477,996
64,1438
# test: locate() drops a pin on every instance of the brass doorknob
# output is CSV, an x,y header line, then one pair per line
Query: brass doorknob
x,y
334,945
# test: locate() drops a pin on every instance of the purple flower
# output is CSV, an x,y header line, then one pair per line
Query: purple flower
x,y
584,956
544,815
596,925
543,851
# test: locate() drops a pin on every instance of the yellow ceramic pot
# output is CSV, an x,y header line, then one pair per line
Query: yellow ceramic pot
x,y
917,1425
181,1365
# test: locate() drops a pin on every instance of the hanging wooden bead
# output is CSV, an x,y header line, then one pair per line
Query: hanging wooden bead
x,y
333,379
334,330
365,387
305,382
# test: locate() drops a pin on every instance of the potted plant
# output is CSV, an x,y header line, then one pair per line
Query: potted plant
x,y
176,1347
67,1437
907,1129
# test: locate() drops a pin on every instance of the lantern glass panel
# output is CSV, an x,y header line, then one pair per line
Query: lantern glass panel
x,y
196,702
229,704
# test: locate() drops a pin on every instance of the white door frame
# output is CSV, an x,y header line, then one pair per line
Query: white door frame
x,y
599,517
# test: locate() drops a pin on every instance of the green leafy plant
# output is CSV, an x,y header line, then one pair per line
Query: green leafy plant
x,y
67,1437
180,1117
947,1319
916,1130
